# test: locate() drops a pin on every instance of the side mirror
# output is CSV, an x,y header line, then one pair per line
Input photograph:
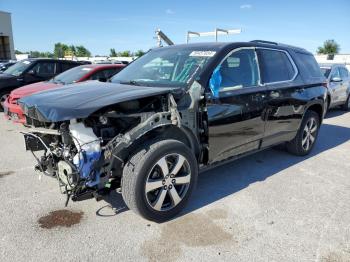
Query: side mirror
x,y
336,79
215,82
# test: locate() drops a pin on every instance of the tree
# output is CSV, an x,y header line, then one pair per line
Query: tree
x,y
139,53
112,52
17,52
81,51
125,54
36,54
330,47
60,49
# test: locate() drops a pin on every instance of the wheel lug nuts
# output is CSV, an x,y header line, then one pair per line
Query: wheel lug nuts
x,y
163,182
173,181
165,188
171,176
170,186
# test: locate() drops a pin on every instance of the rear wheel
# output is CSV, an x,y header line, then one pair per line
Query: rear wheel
x,y
159,179
306,137
346,106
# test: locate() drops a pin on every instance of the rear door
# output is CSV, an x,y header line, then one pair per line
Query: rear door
x,y
283,115
235,105
345,84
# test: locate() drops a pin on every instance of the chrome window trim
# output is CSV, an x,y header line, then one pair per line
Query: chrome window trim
x,y
296,71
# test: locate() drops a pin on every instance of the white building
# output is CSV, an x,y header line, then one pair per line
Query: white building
x,y
338,59
7,50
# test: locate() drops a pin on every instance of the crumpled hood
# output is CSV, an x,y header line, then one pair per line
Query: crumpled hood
x,y
32,89
82,99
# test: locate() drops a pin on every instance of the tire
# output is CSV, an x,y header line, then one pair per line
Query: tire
x,y
152,167
306,137
327,103
3,96
346,106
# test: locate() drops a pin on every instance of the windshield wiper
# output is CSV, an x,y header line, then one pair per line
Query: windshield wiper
x,y
131,82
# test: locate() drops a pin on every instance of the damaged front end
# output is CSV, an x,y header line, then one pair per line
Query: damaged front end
x,y
87,155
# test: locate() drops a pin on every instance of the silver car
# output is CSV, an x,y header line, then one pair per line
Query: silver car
x,y
338,83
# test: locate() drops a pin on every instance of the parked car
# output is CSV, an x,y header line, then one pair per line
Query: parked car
x,y
4,66
30,71
338,83
77,74
171,112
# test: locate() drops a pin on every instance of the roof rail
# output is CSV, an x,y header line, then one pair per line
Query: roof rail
x,y
264,42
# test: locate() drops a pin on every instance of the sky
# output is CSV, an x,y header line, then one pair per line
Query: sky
x,y
130,25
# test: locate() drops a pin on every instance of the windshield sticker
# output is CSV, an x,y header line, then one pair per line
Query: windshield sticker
x,y
26,62
86,69
203,53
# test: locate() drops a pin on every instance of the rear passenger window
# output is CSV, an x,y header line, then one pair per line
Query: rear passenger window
x,y
66,66
275,66
310,65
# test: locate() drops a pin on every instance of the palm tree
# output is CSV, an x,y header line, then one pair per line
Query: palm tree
x,y
330,48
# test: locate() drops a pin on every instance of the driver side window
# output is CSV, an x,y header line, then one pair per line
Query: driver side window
x,y
237,71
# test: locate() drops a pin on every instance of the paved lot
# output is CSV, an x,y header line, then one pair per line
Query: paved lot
x,y
267,207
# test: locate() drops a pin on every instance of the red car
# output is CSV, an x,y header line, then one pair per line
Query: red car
x,y
77,74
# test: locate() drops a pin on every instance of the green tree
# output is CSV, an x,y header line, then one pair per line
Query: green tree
x,y
330,47
139,53
60,49
17,52
72,49
81,51
125,54
112,52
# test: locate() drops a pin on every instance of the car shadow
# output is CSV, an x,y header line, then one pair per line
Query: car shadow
x,y
230,178
334,112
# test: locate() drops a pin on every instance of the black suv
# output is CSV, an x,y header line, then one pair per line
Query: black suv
x,y
171,113
30,71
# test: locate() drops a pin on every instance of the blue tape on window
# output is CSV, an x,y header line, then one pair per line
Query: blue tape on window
x,y
215,82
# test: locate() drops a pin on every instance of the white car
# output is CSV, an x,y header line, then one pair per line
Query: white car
x,y
338,83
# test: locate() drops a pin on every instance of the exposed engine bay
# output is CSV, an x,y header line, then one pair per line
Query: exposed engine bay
x,y
87,156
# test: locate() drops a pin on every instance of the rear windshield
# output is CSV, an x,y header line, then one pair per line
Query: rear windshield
x,y
72,75
18,68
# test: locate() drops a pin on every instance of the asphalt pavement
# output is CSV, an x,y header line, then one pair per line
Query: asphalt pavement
x,y
271,206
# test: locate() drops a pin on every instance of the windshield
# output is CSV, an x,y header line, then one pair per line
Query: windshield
x,y
165,67
325,71
18,68
72,75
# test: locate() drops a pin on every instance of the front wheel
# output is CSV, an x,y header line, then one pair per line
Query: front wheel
x,y
306,137
159,179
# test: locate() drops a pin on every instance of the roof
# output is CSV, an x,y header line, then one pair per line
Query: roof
x,y
231,45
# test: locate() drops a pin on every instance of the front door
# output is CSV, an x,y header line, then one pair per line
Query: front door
x,y
236,106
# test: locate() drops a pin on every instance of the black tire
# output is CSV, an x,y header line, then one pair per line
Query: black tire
x,y
327,103
297,146
144,164
346,106
3,95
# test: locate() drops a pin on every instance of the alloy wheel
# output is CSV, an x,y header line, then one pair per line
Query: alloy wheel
x,y
309,134
168,182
